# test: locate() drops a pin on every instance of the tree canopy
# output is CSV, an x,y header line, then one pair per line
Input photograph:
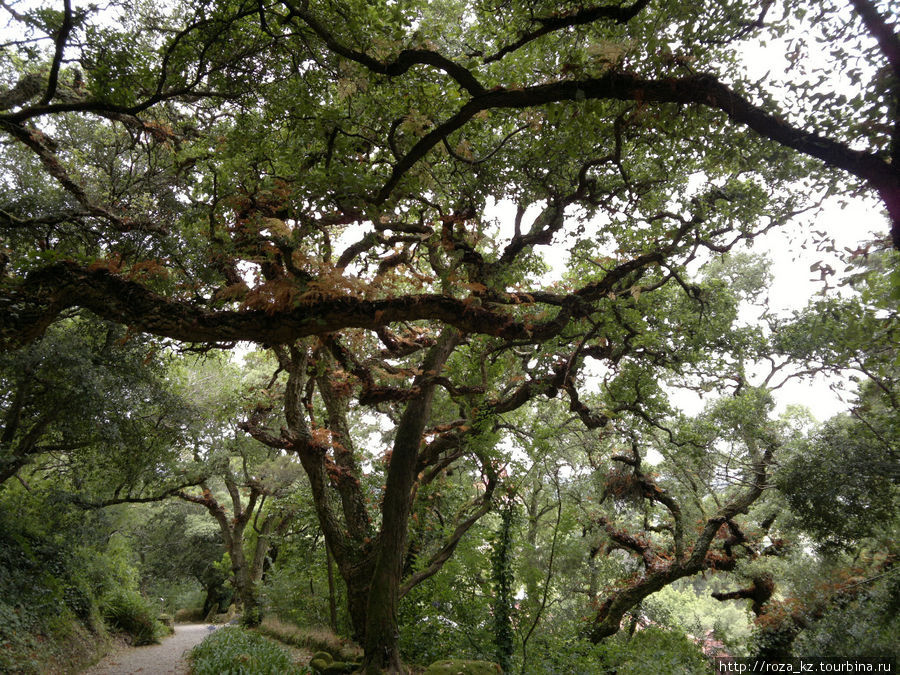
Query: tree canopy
x,y
368,191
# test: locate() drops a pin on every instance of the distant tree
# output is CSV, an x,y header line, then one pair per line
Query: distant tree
x,y
253,504
700,522
838,483
842,481
176,544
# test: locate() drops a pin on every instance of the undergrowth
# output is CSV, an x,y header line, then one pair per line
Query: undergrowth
x,y
315,639
48,615
128,612
235,651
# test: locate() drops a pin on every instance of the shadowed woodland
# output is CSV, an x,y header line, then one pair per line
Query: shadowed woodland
x,y
411,331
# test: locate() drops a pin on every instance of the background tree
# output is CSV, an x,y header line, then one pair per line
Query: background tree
x,y
301,586
177,549
837,482
249,486
74,398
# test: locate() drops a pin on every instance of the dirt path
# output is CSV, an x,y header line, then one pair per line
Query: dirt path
x,y
166,658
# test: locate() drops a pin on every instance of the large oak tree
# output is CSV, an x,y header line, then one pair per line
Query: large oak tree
x,y
322,178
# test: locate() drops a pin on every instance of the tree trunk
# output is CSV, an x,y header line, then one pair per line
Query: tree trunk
x,y
357,602
381,642
382,652
244,585
332,604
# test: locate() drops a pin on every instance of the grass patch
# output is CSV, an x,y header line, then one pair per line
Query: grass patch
x,y
313,639
463,667
235,651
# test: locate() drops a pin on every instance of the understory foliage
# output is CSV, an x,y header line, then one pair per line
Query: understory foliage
x,y
129,613
651,650
61,575
355,281
45,597
240,652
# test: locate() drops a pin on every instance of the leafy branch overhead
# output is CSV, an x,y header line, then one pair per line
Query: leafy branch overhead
x,y
369,192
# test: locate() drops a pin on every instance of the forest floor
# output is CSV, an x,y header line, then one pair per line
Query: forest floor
x,y
166,658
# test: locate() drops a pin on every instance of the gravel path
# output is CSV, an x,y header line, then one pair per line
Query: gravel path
x,y
166,658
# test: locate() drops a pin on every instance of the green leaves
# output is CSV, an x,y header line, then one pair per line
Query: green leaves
x,y
842,482
91,397
233,649
344,181
503,579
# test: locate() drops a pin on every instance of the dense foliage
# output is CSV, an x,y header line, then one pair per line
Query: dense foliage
x,y
130,613
481,252
239,652
67,579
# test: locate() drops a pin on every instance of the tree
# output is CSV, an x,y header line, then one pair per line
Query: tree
x,y
665,544
178,547
266,478
243,486
370,561
837,482
319,178
78,396
842,482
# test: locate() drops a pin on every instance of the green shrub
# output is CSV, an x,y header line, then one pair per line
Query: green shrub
x,y
236,651
653,650
189,615
46,605
19,645
78,599
128,612
286,589
461,667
